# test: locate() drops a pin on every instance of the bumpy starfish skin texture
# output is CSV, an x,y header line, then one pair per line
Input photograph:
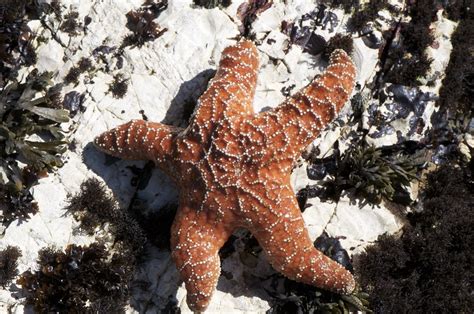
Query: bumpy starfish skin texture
x,y
233,169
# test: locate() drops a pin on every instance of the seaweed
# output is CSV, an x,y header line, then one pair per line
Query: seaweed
x,y
301,298
163,217
338,41
141,24
119,86
210,4
93,208
346,5
82,279
372,173
71,24
16,40
457,89
30,132
429,268
368,13
8,264
406,58
23,115
83,65
16,203
72,77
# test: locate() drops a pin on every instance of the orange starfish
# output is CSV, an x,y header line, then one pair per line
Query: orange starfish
x,y
233,168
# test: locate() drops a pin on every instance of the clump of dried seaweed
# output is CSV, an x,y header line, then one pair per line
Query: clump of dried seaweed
x,y
15,203
457,91
73,75
82,279
407,60
338,41
30,132
119,86
366,13
93,208
346,5
8,264
210,4
71,24
371,173
141,23
430,267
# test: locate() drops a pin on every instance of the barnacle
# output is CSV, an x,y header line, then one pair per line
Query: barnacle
x,y
82,279
8,264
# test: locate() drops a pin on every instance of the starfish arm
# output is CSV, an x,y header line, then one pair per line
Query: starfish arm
x,y
293,125
285,240
230,92
195,243
139,139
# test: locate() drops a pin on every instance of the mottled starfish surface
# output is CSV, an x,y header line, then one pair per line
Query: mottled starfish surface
x,y
233,169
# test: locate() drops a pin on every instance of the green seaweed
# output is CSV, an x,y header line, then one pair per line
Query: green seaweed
x,y
373,173
30,132
29,127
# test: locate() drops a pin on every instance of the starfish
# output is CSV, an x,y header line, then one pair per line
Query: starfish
x,y
233,169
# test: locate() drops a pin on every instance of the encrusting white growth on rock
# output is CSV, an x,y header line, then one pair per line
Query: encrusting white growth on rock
x,y
233,168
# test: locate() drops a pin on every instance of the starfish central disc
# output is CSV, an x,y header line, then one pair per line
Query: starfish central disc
x,y
233,168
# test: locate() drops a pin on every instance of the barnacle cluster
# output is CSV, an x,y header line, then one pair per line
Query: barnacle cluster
x,y
141,23
8,264
82,279
429,268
